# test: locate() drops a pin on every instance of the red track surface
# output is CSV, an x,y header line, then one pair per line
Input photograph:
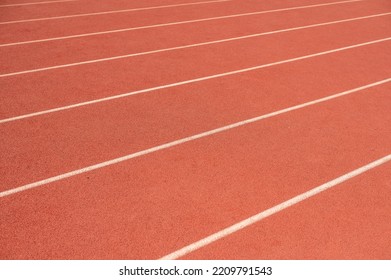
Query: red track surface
x,y
152,205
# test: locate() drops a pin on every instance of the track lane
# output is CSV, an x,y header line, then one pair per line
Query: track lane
x,y
86,231
46,54
57,143
350,221
16,2
212,183
74,26
89,8
39,91
27,3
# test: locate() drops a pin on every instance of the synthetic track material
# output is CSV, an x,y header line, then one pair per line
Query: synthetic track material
x,y
220,133
183,185
143,21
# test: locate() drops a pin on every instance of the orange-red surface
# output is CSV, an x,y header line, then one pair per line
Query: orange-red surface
x,y
150,206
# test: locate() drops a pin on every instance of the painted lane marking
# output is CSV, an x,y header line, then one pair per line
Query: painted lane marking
x,y
114,12
271,211
171,23
86,103
182,141
188,46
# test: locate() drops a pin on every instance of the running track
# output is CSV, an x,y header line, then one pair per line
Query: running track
x,y
237,129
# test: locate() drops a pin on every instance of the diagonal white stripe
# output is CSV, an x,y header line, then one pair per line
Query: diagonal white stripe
x,y
187,82
36,3
172,23
189,46
271,211
114,12
184,140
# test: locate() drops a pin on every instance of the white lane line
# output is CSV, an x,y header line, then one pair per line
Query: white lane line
x,y
68,107
271,211
184,140
188,46
115,11
36,3
173,23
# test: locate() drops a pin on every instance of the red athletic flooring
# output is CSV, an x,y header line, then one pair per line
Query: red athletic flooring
x,y
56,124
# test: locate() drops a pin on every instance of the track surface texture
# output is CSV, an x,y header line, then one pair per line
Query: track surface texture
x,y
195,129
